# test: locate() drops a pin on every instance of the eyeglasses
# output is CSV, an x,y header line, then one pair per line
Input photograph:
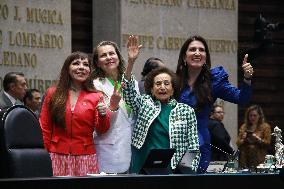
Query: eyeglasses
x,y
219,112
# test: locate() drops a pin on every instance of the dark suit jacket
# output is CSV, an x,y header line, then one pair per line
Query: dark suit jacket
x,y
5,102
221,139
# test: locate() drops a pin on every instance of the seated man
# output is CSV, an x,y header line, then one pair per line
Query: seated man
x,y
14,89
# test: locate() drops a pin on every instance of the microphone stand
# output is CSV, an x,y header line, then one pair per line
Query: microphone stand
x,y
231,157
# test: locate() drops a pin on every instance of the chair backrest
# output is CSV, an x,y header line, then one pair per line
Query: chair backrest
x,y
23,153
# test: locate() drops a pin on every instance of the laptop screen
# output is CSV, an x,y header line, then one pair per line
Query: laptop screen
x,y
185,165
157,161
188,157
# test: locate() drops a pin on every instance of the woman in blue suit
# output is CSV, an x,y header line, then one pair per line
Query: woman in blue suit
x,y
201,86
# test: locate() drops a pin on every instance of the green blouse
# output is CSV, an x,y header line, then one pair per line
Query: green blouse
x,y
157,138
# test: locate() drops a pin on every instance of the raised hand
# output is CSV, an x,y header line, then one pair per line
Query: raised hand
x,y
101,107
247,68
115,97
133,48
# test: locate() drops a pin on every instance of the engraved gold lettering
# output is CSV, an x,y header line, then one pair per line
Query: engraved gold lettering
x,y
169,43
124,39
5,60
35,40
48,83
142,39
47,41
168,3
158,42
1,37
4,12
200,4
145,40
18,59
222,46
44,16
151,42
175,43
40,84
16,16
212,4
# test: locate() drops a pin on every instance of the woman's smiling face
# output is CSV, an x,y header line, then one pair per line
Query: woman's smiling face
x,y
162,87
79,70
108,59
195,55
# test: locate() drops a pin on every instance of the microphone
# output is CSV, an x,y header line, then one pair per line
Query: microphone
x,y
235,155
232,158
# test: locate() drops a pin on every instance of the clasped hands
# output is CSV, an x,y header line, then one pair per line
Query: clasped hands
x,y
246,135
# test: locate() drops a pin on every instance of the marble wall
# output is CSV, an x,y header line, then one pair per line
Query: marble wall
x,y
35,38
163,26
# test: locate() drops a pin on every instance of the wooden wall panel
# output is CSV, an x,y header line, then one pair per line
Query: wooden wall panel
x,y
267,57
81,15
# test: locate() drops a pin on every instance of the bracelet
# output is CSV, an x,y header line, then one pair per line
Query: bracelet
x,y
113,110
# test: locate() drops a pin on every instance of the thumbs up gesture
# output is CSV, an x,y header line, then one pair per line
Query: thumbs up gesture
x,y
247,68
101,107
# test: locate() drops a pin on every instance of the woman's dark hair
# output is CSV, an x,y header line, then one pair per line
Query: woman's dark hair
x,y
202,86
98,72
150,64
57,104
149,81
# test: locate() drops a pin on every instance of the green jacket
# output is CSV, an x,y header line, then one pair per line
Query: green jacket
x,y
182,122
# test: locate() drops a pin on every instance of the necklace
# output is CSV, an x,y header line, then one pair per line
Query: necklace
x,y
74,89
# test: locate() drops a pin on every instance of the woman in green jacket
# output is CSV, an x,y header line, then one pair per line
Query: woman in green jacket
x,y
162,122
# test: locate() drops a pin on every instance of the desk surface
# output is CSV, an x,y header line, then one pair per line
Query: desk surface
x,y
228,181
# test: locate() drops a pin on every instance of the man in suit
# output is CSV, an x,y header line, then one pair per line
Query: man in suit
x,y
220,138
32,100
14,90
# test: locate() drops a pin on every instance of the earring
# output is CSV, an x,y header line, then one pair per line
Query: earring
x,y
185,63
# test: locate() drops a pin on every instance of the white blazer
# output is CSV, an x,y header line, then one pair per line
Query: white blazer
x,y
114,147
